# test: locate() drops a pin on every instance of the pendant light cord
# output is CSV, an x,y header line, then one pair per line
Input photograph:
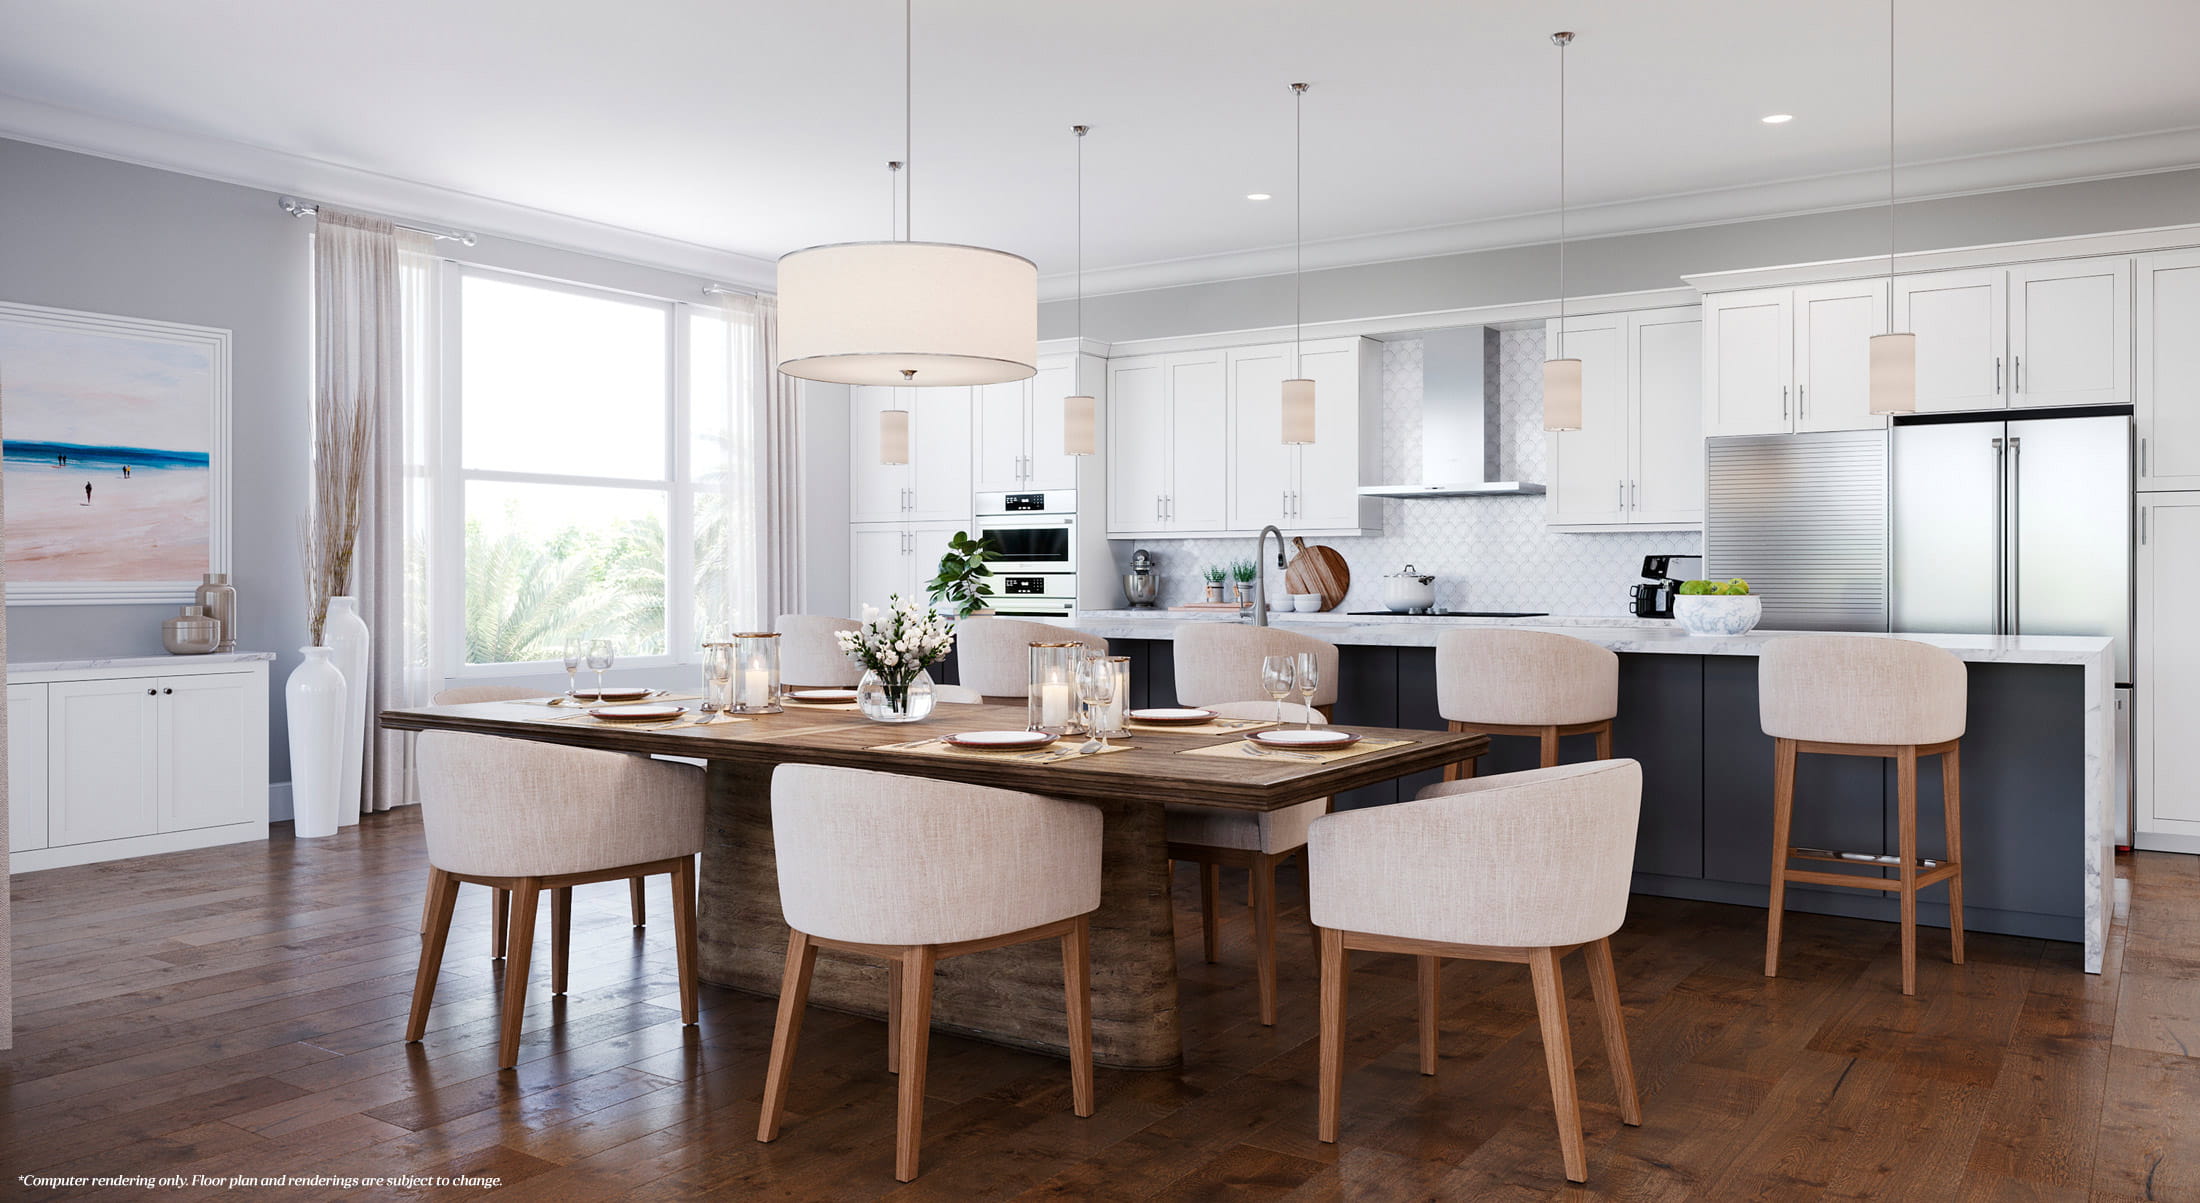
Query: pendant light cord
x,y
1890,166
1298,228
1080,234
1563,40
909,208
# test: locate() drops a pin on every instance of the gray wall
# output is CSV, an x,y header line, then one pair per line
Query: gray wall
x,y
1634,262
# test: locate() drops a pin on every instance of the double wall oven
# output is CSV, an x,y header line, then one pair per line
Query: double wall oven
x,y
1035,572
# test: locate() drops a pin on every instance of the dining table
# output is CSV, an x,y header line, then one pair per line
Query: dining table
x,y
1012,995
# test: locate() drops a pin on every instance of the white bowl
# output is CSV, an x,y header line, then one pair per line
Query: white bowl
x,y
1306,603
1715,614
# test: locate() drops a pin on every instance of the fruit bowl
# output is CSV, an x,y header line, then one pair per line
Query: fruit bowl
x,y
1715,614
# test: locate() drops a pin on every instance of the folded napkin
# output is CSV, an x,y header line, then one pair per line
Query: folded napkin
x,y
1245,750
1062,749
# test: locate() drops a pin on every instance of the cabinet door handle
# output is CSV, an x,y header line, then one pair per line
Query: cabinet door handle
x,y
1802,401
1783,403
1634,494
2142,458
2017,376
1623,496
1157,507
2142,526
1997,375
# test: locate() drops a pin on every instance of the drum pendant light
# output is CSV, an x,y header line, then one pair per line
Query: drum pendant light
x,y
1298,392
1080,434
1561,376
1893,356
930,314
893,424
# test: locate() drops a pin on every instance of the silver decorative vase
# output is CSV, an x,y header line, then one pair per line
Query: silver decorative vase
x,y
217,599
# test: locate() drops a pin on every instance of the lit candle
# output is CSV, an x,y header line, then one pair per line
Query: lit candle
x,y
1054,704
756,689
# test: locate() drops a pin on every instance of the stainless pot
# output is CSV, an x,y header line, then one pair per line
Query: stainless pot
x,y
1409,592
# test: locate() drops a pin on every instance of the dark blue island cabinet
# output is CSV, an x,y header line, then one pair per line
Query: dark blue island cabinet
x,y
1706,828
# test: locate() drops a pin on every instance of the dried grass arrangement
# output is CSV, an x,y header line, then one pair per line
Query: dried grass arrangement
x,y
329,535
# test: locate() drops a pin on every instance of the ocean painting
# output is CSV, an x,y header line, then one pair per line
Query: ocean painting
x,y
108,428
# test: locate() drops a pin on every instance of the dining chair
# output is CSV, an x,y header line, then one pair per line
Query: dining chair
x,y
500,901
1501,681
959,695
1898,699
1522,868
530,818
1219,662
993,654
910,871
810,655
1257,841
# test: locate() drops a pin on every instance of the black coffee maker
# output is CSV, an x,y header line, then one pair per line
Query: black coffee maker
x,y
1655,599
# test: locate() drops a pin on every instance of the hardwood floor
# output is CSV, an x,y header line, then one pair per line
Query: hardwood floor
x,y
240,1011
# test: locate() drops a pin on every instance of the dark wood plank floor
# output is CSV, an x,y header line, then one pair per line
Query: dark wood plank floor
x,y
240,1011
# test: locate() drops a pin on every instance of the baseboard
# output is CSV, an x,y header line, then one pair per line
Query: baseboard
x,y
34,859
1856,904
278,802
2162,841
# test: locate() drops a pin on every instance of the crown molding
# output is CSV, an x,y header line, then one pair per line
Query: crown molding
x,y
405,200
1992,254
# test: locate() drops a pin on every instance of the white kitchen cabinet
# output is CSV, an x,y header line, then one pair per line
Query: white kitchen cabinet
x,y
999,438
2070,332
1834,325
876,492
1961,320
935,485
1638,458
1784,360
1261,466
2167,398
1198,428
1017,429
885,560
1166,433
207,771
1138,470
2166,671
103,759
26,767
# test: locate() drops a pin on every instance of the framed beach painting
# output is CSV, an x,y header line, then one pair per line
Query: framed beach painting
x,y
115,433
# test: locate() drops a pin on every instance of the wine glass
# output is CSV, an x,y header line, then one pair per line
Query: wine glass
x,y
1310,680
1278,676
1096,689
599,660
575,650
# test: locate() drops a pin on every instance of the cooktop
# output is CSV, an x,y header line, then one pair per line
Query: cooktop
x,y
1449,614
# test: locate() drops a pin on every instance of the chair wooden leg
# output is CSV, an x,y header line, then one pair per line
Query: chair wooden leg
x,y
500,922
1077,1000
561,935
526,900
1426,972
1604,741
1549,745
1263,874
1558,1057
1332,1035
442,899
1210,906
893,1016
1951,792
1305,869
685,949
427,904
916,1038
634,896
1783,810
794,996
1460,768
1604,985
1905,775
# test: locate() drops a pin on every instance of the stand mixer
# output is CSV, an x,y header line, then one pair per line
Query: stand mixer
x,y
1142,585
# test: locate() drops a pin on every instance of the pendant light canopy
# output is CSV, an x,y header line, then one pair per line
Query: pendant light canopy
x,y
1894,356
1298,392
929,314
1561,376
1080,414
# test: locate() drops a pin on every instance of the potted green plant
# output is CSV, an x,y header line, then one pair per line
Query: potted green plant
x,y
1215,575
1717,607
964,582
1243,572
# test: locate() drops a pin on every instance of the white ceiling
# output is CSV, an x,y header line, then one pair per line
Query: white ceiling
x,y
756,127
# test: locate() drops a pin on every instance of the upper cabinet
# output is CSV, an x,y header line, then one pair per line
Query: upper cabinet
x,y
1961,320
935,485
2168,393
1164,439
1638,458
1784,360
1017,429
2054,333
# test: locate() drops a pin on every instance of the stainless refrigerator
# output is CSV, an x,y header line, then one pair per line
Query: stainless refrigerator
x,y
2018,526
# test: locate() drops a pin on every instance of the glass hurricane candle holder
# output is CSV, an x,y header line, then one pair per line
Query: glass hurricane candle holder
x,y
1050,697
755,673
718,675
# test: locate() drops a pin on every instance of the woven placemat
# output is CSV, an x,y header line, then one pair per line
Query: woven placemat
x,y
693,718
1245,750
1060,750
1213,726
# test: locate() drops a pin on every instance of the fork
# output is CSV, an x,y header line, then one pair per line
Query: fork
x,y
1257,750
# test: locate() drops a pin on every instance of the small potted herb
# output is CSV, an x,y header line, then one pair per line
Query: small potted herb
x,y
1215,575
1243,572
964,582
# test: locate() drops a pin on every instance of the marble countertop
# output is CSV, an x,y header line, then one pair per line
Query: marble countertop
x,y
1651,636
162,661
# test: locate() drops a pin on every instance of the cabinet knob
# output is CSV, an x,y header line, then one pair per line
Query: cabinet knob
x,y
151,692
168,691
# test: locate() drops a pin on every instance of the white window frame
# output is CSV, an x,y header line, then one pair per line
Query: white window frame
x,y
449,550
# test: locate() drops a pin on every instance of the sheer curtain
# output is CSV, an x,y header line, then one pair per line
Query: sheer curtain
x,y
760,481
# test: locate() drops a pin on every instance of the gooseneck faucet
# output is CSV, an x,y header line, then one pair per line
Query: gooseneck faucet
x,y
1260,586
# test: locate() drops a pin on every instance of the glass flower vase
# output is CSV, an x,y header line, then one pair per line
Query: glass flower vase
x,y
905,701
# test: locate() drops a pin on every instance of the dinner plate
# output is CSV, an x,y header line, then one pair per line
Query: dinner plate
x,y
1000,741
638,714
615,693
821,695
1171,716
1318,738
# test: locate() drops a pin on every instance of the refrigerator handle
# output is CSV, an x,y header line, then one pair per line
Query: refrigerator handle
x,y
2016,524
2001,539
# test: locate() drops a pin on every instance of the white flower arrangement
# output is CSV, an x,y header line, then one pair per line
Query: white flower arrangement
x,y
900,643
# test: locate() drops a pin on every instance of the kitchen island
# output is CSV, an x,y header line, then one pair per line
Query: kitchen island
x,y
2039,756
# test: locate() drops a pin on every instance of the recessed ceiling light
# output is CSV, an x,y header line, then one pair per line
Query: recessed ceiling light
x,y
1778,119
1258,196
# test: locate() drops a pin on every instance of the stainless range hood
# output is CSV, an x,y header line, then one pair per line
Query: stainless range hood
x,y
1458,422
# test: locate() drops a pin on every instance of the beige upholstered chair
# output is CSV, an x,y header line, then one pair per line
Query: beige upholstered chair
x,y
1502,681
993,654
912,871
1848,695
1523,867
1212,837
810,655
960,695
528,817
1220,662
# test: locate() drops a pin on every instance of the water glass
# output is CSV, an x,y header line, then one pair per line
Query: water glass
x,y
575,649
1278,676
1096,689
599,661
1310,683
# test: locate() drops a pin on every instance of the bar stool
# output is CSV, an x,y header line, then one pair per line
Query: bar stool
x,y
1219,662
810,655
1499,681
1522,867
1257,841
1895,699
993,654
911,871
528,817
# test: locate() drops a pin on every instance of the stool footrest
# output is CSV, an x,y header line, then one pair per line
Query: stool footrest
x,y
1865,859
1941,871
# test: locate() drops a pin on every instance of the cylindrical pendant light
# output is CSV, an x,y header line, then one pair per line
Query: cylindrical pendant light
x,y
1893,356
1080,413
934,314
893,436
1561,376
1298,392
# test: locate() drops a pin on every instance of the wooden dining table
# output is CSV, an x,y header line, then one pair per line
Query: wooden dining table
x,y
1011,995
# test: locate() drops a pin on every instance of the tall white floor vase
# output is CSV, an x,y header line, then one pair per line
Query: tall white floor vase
x,y
347,638
314,700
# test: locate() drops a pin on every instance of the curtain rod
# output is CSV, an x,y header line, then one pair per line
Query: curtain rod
x,y
722,290
300,208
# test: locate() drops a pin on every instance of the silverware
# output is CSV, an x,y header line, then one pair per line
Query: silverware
x,y
1257,750
1088,747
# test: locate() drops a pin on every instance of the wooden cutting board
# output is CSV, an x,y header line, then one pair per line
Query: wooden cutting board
x,y
1318,569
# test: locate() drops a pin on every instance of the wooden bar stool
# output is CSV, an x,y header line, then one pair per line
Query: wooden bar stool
x,y
1501,681
911,871
810,655
1847,695
1523,867
993,654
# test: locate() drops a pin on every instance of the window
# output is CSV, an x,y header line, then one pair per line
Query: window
x,y
587,438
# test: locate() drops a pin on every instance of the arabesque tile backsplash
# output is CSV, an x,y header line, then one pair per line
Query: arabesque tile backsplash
x,y
1487,553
